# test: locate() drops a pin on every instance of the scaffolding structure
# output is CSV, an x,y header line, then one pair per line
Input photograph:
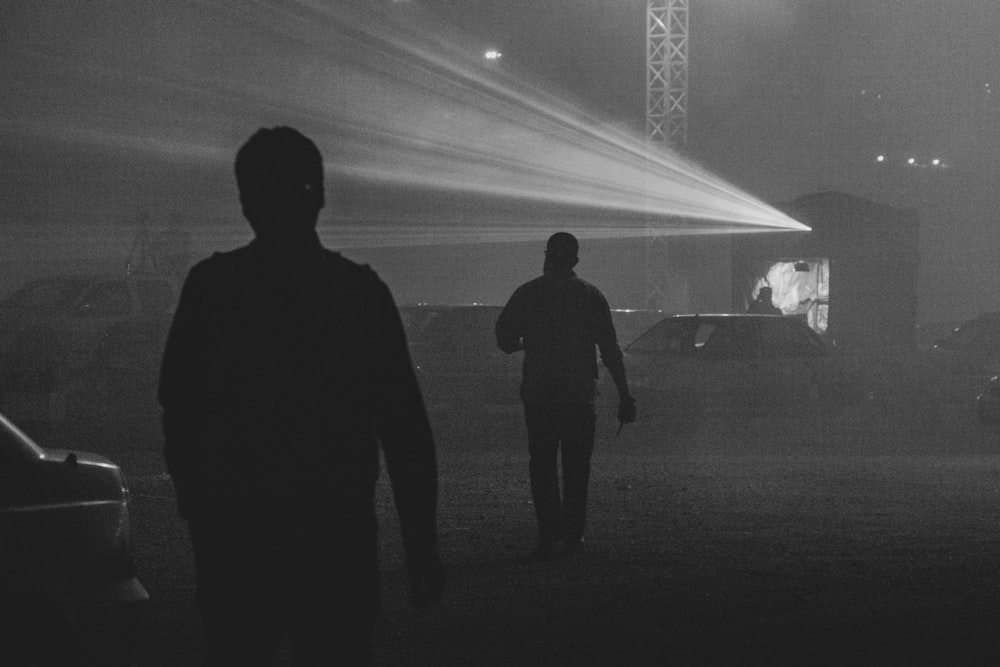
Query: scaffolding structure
x,y
666,118
667,71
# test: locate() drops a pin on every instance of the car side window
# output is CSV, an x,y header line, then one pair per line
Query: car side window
x,y
713,340
728,340
666,337
11,453
783,338
108,299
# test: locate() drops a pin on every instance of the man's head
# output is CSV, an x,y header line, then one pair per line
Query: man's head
x,y
561,252
764,294
279,173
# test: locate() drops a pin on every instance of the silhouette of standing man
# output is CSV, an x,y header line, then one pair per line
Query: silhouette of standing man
x,y
285,367
557,319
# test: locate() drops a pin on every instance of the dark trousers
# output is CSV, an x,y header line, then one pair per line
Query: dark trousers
x,y
570,429
267,572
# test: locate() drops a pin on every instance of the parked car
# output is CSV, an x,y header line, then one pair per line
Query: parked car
x,y
630,323
69,594
459,365
58,330
972,348
988,402
688,368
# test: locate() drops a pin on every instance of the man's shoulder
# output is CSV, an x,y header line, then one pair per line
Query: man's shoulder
x,y
588,288
548,282
532,284
587,285
352,273
229,261
219,263
349,266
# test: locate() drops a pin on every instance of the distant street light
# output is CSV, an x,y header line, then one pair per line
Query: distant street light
x,y
492,54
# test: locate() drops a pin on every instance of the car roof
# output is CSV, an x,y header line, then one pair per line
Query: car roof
x,y
452,306
734,316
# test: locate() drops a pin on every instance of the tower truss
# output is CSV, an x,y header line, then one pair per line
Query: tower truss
x,y
666,121
667,71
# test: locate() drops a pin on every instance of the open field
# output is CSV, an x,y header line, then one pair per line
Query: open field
x,y
729,546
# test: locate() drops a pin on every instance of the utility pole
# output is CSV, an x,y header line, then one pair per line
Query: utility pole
x,y
666,117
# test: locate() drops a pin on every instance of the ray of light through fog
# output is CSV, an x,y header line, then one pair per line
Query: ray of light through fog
x,y
425,141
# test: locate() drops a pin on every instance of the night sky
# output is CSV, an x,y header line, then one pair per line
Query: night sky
x,y
787,97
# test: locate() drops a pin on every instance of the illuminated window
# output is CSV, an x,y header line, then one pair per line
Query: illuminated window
x,y
800,287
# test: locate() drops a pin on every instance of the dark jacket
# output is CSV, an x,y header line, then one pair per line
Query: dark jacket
x,y
557,319
282,373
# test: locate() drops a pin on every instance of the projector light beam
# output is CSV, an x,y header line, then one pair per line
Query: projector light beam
x,y
425,141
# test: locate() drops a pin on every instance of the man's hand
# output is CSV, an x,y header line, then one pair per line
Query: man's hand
x,y
426,576
626,410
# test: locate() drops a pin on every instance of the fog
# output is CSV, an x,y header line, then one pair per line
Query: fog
x,y
446,172
128,117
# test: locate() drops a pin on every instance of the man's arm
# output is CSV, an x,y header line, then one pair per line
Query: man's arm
x,y
509,328
613,360
408,445
183,388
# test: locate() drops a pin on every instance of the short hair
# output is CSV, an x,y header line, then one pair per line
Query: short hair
x,y
562,245
279,160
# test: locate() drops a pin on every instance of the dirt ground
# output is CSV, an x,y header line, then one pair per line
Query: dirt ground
x,y
869,539
697,554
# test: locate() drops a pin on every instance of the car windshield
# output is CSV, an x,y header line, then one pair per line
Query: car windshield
x,y
46,294
669,336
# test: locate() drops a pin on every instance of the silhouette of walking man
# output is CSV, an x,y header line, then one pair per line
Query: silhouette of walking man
x,y
557,319
285,367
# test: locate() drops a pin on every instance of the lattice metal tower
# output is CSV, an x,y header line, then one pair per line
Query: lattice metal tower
x,y
666,116
667,71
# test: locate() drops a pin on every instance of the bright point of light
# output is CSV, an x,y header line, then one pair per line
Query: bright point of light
x,y
911,161
492,54
935,162
402,108
880,158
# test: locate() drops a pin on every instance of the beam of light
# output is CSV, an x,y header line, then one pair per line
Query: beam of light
x,y
424,141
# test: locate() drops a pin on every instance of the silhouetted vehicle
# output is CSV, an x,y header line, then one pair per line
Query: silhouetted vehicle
x,y
630,323
689,368
988,402
68,588
459,365
60,329
973,347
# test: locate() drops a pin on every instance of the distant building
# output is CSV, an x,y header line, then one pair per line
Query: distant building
x,y
853,277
